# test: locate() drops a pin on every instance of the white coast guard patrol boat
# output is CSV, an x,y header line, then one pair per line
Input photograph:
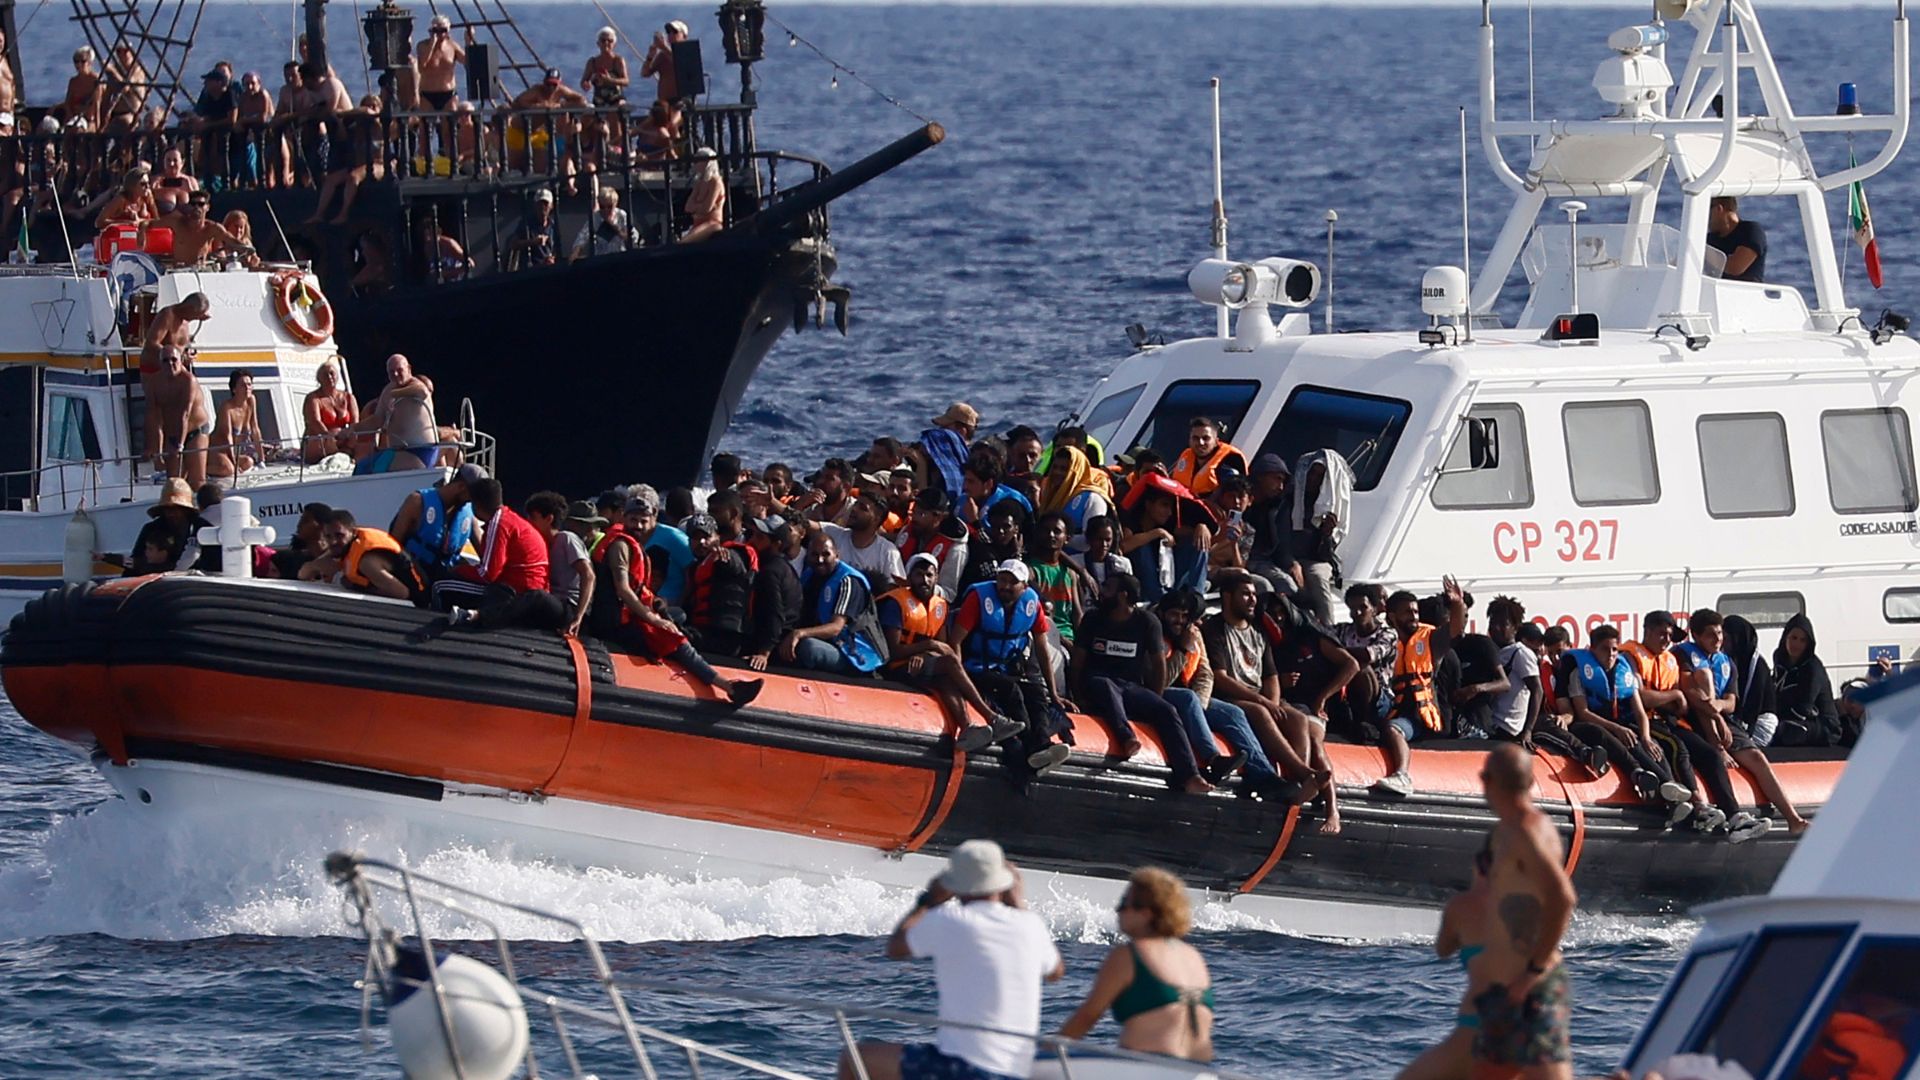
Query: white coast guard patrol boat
x,y
76,481
1648,434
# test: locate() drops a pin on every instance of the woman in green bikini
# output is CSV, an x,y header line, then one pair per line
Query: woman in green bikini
x,y
1465,926
1156,984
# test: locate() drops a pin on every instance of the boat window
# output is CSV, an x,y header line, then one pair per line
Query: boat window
x,y
1763,610
1363,428
1901,605
1868,1027
1869,460
1166,428
1751,1022
1610,459
1693,987
1744,465
262,410
70,432
1103,420
1508,484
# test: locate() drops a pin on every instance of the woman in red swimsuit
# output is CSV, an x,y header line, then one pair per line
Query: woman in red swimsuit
x,y
330,412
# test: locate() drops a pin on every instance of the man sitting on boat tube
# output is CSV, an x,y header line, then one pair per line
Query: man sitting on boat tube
x,y
914,618
989,955
840,634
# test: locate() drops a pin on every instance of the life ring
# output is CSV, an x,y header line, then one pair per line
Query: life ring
x,y
303,309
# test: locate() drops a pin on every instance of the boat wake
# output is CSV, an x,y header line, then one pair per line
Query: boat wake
x,y
114,871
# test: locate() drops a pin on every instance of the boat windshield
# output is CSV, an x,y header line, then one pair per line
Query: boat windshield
x,y
1225,401
1363,428
1103,420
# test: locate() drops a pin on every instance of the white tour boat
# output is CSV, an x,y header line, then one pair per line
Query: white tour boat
x,y
76,480
1649,434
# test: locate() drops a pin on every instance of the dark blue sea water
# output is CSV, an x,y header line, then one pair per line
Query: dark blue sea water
x,y
1069,200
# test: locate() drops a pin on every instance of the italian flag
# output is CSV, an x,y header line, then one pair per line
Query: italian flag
x,y
1860,217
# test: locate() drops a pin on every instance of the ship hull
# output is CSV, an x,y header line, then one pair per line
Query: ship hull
x,y
606,758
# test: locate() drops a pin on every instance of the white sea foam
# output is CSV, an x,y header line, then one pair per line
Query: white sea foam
x,y
112,870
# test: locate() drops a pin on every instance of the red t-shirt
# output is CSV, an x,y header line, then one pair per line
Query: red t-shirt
x,y
515,554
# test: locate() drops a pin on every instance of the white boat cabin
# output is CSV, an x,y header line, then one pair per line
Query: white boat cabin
x,y
1650,435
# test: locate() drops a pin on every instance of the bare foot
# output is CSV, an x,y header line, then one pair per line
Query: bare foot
x,y
1310,790
1331,826
1126,750
1197,785
1797,825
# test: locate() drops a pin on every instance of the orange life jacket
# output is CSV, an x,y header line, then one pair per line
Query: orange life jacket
x,y
609,615
367,540
918,621
1187,667
1413,679
1854,1047
1657,671
721,605
1202,477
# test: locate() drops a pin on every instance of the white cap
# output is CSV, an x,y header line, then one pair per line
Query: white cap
x,y
441,21
1017,568
977,868
678,27
923,557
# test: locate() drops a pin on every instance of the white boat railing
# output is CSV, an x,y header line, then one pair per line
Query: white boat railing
x,y
393,950
49,481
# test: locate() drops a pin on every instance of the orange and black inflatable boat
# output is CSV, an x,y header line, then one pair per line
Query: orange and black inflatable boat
x,y
182,686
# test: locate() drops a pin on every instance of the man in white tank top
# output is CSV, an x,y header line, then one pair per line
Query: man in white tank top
x,y
990,955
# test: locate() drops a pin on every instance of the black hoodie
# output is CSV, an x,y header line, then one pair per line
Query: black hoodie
x,y
1804,693
1752,682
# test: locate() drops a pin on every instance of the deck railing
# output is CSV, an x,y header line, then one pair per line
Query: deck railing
x,y
366,881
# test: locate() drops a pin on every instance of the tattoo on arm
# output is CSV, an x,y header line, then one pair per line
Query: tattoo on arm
x,y
1520,913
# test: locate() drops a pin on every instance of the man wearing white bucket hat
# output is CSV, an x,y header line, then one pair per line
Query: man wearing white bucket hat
x,y
990,955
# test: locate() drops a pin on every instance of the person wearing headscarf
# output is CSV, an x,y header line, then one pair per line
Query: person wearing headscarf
x,y
1077,491
946,443
1803,692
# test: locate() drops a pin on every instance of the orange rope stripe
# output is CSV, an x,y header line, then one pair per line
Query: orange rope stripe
x,y
1279,849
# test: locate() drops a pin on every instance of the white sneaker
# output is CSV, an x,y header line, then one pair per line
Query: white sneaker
x,y
1744,827
1709,818
1681,812
1399,784
1672,792
1045,761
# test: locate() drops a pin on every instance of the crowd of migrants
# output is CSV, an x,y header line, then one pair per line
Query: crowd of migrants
x,y
1018,579
110,152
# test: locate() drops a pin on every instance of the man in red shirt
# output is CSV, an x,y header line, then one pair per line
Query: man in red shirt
x,y
508,587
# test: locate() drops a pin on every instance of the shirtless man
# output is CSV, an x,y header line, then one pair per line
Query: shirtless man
x,y
172,328
1524,1012
439,59
403,415
195,237
178,410
659,62
7,84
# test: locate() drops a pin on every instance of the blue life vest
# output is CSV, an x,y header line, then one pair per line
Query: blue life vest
x,y
998,642
854,645
1698,659
441,537
1604,694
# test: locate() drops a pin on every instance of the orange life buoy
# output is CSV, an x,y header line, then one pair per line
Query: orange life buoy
x,y
293,294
